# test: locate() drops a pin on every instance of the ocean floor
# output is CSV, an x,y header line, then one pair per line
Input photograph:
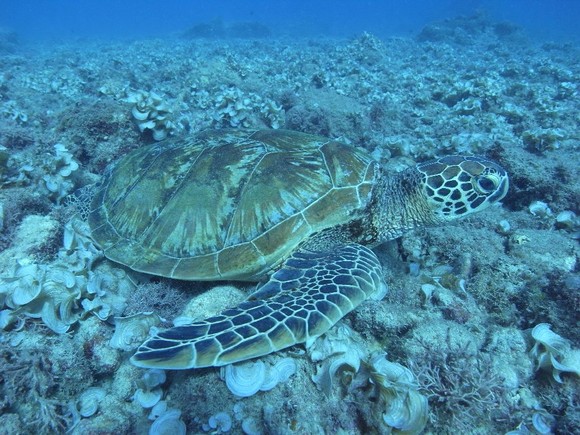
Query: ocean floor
x,y
464,326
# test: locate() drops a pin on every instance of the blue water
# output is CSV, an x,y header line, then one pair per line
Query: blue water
x,y
66,19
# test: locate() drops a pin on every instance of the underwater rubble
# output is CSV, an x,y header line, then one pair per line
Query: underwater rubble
x,y
479,330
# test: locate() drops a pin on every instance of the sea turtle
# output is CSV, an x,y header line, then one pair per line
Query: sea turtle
x,y
299,209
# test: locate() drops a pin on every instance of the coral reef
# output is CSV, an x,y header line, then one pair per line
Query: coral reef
x,y
246,379
406,408
59,293
234,108
462,388
59,182
464,323
29,390
151,113
553,353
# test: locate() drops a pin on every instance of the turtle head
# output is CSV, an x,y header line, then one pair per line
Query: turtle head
x,y
456,186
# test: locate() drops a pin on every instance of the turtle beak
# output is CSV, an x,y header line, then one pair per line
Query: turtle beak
x,y
502,189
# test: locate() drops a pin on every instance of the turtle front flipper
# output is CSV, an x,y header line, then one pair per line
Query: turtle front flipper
x,y
301,301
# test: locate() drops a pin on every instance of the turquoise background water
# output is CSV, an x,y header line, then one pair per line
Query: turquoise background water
x,y
49,19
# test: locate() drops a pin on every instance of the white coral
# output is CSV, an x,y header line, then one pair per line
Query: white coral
x,y
247,378
552,352
406,409
235,108
151,113
340,352
131,331
58,292
89,401
40,291
169,422
59,180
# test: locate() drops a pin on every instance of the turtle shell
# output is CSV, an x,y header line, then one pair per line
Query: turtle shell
x,y
226,204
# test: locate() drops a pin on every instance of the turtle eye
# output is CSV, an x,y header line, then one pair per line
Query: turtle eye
x,y
485,184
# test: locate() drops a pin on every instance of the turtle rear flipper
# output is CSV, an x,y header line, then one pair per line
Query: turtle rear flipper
x,y
301,301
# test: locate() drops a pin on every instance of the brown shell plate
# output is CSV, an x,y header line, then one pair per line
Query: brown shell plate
x,y
226,204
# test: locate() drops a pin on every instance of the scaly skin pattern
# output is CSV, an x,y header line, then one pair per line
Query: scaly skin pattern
x,y
301,301
435,192
327,277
